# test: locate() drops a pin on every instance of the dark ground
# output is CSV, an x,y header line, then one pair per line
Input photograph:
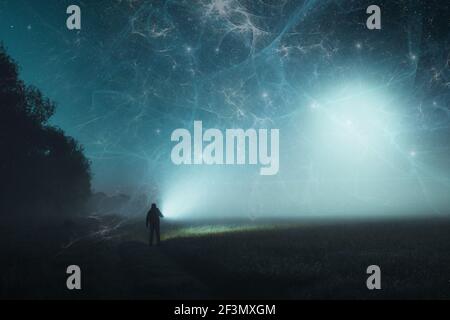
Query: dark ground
x,y
231,259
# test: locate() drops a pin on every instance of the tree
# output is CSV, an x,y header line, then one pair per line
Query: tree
x,y
42,170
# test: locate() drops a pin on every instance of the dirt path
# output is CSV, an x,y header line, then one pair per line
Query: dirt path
x,y
118,267
150,273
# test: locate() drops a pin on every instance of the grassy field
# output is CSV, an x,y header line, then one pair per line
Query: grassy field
x,y
283,259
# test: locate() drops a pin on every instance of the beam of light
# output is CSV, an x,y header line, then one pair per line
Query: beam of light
x,y
343,155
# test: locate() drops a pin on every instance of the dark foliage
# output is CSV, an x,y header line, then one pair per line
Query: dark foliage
x,y
43,172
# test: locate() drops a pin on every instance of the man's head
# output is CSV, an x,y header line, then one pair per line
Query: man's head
x,y
153,205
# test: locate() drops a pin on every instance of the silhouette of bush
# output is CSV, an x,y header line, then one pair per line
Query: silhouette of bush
x,y
43,172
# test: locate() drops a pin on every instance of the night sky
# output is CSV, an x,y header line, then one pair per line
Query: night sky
x,y
363,114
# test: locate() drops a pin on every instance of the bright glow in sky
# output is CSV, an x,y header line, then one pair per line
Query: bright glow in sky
x,y
363,115
344,156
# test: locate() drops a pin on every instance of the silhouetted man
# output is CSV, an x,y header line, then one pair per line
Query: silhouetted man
x,y
152,221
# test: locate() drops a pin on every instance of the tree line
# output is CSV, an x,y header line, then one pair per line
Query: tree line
x,y
43,172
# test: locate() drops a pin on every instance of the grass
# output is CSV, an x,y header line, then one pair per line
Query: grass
x,y
283,259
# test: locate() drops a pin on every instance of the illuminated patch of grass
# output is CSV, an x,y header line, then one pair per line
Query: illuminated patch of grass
x,y
216,229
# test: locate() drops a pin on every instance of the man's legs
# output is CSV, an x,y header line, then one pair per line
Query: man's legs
x,y
152,228
158,239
